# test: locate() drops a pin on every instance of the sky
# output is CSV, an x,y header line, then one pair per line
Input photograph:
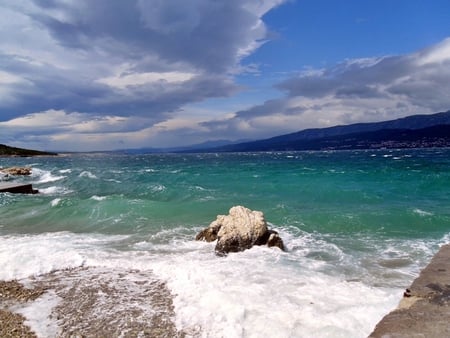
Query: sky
x,y
92,75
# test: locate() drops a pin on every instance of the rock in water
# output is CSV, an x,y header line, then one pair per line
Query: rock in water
x,y
240,230
23,171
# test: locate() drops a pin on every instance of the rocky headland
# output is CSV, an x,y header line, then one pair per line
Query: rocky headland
x,y
21,152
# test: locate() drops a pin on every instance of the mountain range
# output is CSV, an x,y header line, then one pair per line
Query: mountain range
x,y
417,131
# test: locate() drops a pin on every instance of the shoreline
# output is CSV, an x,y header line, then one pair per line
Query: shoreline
x,y
13,293
97,301
87,302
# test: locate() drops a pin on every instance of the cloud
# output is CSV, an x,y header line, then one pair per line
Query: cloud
x,y
123,58
83,75
359,90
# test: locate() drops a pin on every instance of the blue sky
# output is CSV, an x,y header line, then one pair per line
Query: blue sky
x,y
86,75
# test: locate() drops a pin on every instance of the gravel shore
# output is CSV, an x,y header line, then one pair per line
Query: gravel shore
x,y
13,293
88,302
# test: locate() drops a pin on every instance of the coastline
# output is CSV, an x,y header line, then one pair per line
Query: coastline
x,y
424,310
87,302
360,225
81,308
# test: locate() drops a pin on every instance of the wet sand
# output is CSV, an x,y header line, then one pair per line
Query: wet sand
x,y
424,310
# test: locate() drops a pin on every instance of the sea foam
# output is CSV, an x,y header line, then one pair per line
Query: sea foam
x,y
45,176
259,292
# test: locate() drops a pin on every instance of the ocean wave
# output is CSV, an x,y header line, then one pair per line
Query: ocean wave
x,y
98,198
87,174
55,202
44,176
55,190
422,213
113,180
158,188
307,287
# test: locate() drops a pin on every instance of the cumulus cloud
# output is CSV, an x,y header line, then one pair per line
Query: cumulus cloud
x,y
123,57
82,74
359,90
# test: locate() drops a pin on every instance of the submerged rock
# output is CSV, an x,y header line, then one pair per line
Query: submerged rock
x,y
240,230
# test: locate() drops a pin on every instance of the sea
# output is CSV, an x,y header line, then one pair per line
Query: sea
x,y
358,227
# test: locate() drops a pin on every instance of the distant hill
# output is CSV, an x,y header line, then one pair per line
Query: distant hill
x,y
191,148
408,132
12,151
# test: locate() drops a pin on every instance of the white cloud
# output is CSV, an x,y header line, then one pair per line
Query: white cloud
x,y
359,90
123,58
439,53
139,79
95,74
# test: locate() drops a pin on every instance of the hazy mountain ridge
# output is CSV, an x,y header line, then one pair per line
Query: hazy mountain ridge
x,y
190,148
412,131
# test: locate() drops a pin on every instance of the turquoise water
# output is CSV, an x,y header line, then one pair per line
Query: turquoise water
x,y
359,220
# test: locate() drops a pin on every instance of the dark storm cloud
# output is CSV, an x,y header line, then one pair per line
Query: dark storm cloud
x,y
58,54
204,34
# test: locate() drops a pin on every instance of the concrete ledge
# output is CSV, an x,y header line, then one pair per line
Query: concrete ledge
x,y
15,188
424,310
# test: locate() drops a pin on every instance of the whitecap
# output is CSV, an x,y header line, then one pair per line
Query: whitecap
x,y
98,198
158,188
113,180
87,174
55,202
422,213
45,176
53,190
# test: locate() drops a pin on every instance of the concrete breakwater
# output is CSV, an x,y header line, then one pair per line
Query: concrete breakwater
x,y
424,310
18,188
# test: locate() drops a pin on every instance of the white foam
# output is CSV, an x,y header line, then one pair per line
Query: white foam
x,y
87,174
158,188
55,202
259,292
23,256
33,255
65,171
45,176
113,180
37,314
54,190
422,213
98,198
256,294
